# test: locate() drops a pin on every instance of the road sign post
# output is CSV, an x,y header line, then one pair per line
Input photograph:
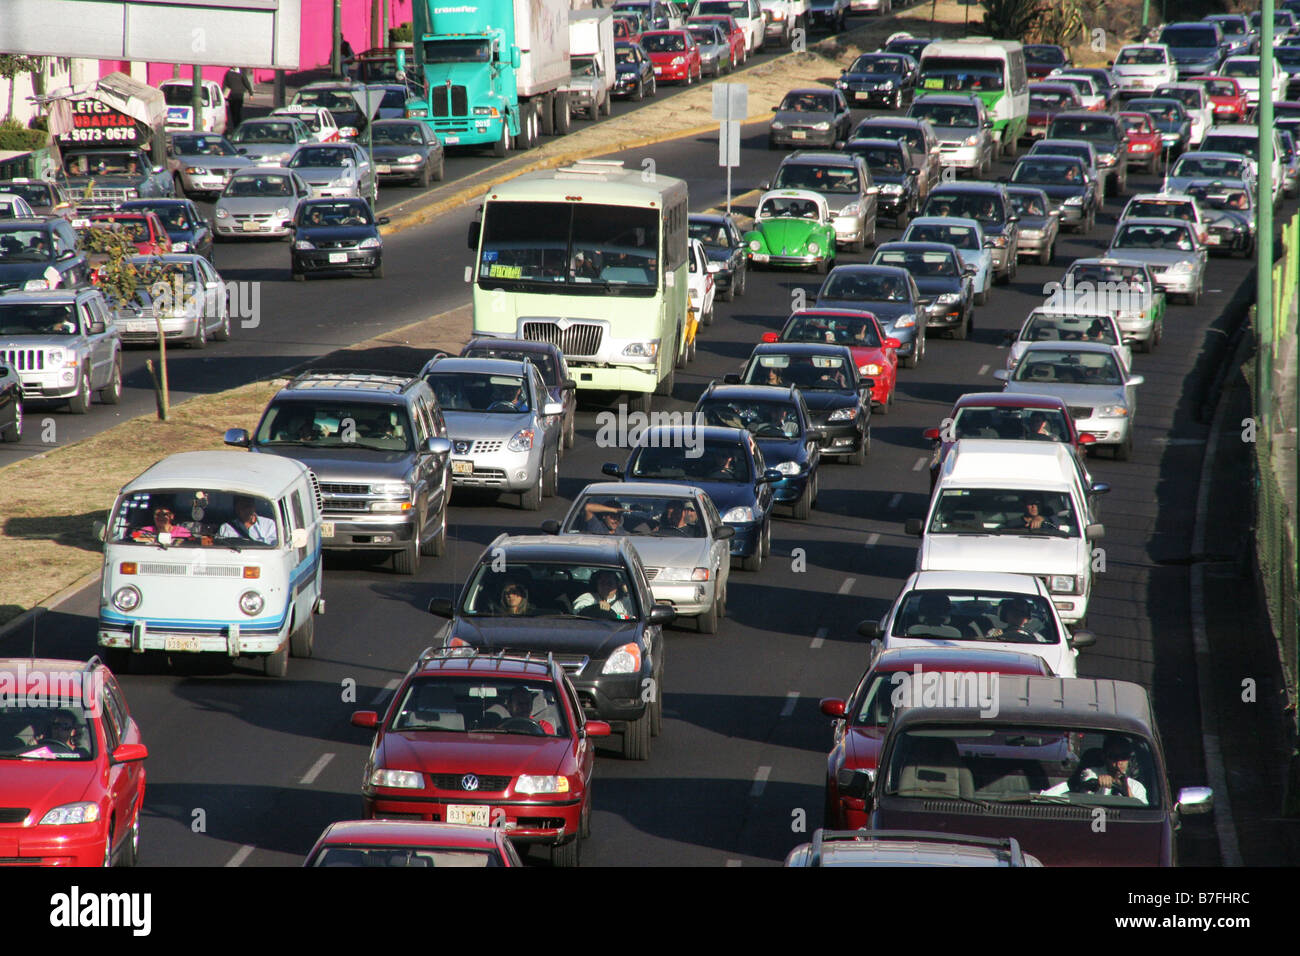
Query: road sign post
x,y
730,106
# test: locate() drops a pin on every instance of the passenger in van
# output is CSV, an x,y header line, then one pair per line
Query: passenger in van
x,y
248,523
163,521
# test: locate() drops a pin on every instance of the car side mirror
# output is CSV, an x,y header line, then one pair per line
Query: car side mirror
x,y
552,408
368,719
1192,800
611,469
1135,380
596,728
99,530
441,607
771,476
725,533
1083,639
237,437
1002,375
1094,532
969,270
1100,488
731,378
437,446
776,109
242,150
931,434
873,190
66,254
913,526
551,526
661,614
869,629
472,239
1087,438
568,385
893,343
96,328
988,124
765,185
129,753
832,707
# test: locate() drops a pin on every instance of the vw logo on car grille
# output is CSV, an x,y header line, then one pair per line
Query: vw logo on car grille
x,y
462,447
469,782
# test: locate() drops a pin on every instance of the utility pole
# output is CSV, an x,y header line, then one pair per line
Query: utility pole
x,y
336,55
196,97
1264,245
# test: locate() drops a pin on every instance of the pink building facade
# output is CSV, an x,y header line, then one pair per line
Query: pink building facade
x,y
316,39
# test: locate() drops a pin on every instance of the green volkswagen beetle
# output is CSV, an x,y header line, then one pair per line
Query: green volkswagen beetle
x,y
792,228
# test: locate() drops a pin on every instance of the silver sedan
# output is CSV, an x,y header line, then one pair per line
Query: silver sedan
x,y
1170,248
259,201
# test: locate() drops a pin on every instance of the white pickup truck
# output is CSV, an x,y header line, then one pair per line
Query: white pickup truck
x,y
781,18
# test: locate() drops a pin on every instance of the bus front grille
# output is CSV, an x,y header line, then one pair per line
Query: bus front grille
x,y
579,338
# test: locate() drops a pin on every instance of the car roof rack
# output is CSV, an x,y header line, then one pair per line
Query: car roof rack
x,y
1009,845
498,657
373,380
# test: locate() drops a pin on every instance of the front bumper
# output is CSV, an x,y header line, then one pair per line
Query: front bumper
x,y
801,137
688,598
889,204
146,330
79,844
1143,156
871,97
849,229
1071,607
377,532
551,822
612,697
211,183
747,538
1071,215
1228,241
1001,261
397,171
325,260
791,488
1179,283
228,639
614,378
945,315
672,73
505,471
1108,431
54,386
960,157
260,227
842,438
1032,245
763,258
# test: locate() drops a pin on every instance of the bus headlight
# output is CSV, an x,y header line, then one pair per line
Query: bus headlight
x,y
251,603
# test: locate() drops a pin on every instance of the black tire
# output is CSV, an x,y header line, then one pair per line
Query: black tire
x,y
551,477
802,509
654,87
639,95
377,272
502,146
200,340
297,276
567,855
111,393
303,638
636,739
962,331
728,295
639,402
79,404
423,181
665,387
859,456
755,561
440,170
563,119
1125,451
570,436
223,331
436,543
130,852
407,561
14,430
531,500
277,664
744,279
707,623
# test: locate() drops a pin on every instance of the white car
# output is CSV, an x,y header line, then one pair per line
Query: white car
x,y
14,207
1197,104
1017,507
748,14
318,120
1245,70
701,287
1167,206
1243,139
965,608
180,105
1141,67
1054,324
1091,94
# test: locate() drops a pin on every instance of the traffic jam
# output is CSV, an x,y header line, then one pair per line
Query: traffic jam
x,y
590,575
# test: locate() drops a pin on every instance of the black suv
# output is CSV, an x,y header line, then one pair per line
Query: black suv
x,y
990,206
585,600
378,444
29,248
896,171
1106,133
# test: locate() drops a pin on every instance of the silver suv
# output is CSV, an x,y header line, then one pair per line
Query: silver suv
x,y
505,428
377,443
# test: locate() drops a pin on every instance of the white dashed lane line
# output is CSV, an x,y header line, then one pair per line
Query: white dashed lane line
x,y
896,499
310,776
819,638
243,854
791,701
760,781
735,863
383,694
984,370
847,586
920,463
872,539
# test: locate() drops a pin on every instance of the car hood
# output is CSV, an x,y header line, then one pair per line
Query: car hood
x,y
886,312
595,638
396,151
786,235
1193,54
45,784
102,182
337,233
825,400
717,254
930,286
40,341
1059,192
776,450
500,425
955,134
671,552
354,465
259,151
1012,553
1154,257
1034,222
632,68
804,118
216,162
724,494
256,204
320,174
479,753
871,77
1076,395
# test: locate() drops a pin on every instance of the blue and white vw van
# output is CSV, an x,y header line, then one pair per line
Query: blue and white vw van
x,y
214,552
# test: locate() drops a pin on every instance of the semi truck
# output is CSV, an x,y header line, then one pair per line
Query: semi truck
x,y
494,70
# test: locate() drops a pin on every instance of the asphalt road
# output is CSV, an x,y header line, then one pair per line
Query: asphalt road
x,y
248,770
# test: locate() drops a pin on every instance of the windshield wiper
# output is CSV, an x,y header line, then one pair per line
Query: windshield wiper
x,y
982,804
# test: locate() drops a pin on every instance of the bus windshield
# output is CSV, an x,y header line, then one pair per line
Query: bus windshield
x,y
961,73
574,246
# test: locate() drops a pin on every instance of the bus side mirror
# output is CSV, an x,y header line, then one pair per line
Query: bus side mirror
x,y
475,229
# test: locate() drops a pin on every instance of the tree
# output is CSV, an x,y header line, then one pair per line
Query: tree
x,y
1009,19
14,65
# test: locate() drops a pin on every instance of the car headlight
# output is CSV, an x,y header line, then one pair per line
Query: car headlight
x,y
777,124
821,127
841,85
180,247
251,603
416,112
486,111
740,513
851,210
625,660
971,141
905,321
522,440
374,242
131,193
126,599
536,783
682,574
412,158
392,489
36,285
1112,411
950,298
1074,201
814,248
68,813
302,245
999,241
222,213
842,415
642,350
1181,266
887,85
755,245
1061,583
197,171
715,266
892,189
1107,158
870,370
678,61
401,779
282,212
788,467
55,356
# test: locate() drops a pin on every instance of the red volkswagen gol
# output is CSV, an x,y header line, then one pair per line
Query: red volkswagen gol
x,y
861,721
735,35
1227,98
674,54
404,843
1144,143
71,766
144,229
488,741
876,356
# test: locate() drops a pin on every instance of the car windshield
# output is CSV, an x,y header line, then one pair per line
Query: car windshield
x,y
789,207
1242,145
1189,36
705,36
242,187
982,207
480,392
320,156
713,235
35,194
1067,127
1135,124
824,373
46,726
1231,26
961,73
880,159
1021,764
1160,209
888,65
1242,67
1052,367
922,265
910,135
1049,147
582,66
1152,236
999,616
1287,55
518,588
1049,100
654,516
332,424
1216,196
1048,171
947,115
403,856
825,179
848,330
663,42
1027,204
25,245
193,145
624,55
480,704
737,8
396,134
1167,112
1140,56
862,286
1003,511
1225,87
724,460
318,213
135,228
106,164
762,419
1208,167
1059,327
1011,424
264,133
182,94
193,517
1044,55
336,101
36,319
12,208
808,103
1097,274
173,215
308,118
169,274
963,237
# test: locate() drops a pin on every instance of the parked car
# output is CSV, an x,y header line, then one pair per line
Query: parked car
x,y
879,79
874,353
411,843
1039,225
407,150
809,117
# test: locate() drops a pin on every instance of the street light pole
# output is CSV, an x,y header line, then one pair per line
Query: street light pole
x,y
1264,232
196,98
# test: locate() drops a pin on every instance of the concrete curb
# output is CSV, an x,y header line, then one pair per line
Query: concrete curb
x,y
50,603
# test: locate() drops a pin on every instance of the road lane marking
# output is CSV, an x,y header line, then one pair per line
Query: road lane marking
x,y
872,539
819,639
984,369
760,781
920,463
310,776
735,863
469,273
385,691
896,499
244,853
791,701
847,586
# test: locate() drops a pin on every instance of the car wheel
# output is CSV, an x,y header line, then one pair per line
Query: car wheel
x,y
755,561
900,221
437,542
111,393
531,500
570,436
423,181
277,664
200,339
803,507
440,171
767,539
859,457
377,272
1191,298
1157,335
14,430
303,638
108,850
639,402
131,852
707,623
636,738
502,146
297,276
959,334
665,387
79,404
551,480
744,279
407,560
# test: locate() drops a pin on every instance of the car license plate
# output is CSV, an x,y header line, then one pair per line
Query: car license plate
x,y
181,644
338,257
451,140
474,816
862,95
798,134
382,168
658,70
462,467
327,529
251,226
1212,240
140,327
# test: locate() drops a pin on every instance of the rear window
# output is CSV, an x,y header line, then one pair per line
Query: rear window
x,y
1189,36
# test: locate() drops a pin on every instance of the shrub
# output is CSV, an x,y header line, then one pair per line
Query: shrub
x,y
14,136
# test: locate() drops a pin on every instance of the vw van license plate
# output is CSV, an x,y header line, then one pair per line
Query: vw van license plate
x,y
327,529
475,816
338,257
460,467
181,644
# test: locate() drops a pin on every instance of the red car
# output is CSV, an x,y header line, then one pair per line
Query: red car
x,y
1045,101
626,30
674,54
143,228
1005,415
72,776
861,721
735,36
876,356
1227,98
411,843
1145,147
486,741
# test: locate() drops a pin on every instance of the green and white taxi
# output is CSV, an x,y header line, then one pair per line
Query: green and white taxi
x,y
792,227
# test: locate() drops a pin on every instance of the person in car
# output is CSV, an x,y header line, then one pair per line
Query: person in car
x,y
605,599
248,523
522,704
1014,617
1033,519
1096,332
933,617
62,731
1111,779
163,521
1041,428
678,520
514,600
604,517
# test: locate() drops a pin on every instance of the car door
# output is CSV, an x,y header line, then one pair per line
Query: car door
x,y
365,173
202,244
763,493
843,120
585,752
719,549
93,315
869,192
